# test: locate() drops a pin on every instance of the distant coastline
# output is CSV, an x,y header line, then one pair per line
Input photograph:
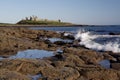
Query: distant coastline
x,y
32,25
72,25
34,21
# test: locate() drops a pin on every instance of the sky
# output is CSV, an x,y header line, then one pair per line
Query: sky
x,y
91,12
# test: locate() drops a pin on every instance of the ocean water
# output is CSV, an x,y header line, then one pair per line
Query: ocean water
x,y
93,37
99,29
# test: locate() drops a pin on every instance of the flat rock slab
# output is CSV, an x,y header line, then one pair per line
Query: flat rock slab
x,y
115,66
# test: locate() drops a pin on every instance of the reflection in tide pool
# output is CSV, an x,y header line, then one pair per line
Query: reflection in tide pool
x,y
105,63
35,77
33,54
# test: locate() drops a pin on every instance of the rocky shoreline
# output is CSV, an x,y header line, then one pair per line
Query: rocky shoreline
x,y
75,62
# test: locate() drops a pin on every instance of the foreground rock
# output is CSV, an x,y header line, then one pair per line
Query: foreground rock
x,y
61,71
74,63
68,67
16,39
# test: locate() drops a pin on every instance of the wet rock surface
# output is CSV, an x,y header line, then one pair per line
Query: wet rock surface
x,y
72,62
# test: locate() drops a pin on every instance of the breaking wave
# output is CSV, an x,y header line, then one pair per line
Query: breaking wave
x,y
99,42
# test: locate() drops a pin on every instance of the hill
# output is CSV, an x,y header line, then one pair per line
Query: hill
x,y
34,20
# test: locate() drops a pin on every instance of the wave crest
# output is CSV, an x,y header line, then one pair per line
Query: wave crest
x,y
88,39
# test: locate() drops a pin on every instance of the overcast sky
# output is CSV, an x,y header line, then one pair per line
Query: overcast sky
x,y
106,12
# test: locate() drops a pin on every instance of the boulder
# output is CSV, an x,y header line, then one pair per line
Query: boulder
x,y
64,73
88,56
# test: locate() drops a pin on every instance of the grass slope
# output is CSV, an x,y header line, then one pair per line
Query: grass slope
x,y
42,22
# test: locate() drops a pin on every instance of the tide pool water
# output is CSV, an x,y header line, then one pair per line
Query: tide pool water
x,y
32,54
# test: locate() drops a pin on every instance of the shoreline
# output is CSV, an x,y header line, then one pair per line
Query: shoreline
x,y
43,25
75,62
26,26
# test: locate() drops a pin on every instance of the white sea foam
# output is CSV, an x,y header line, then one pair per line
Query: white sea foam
x,y
88,40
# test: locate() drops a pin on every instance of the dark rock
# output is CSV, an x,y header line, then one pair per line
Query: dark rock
x,y
53,64
59,57
47,41
59,43
118,59
70,37
16,46
111,33
29,48
76,43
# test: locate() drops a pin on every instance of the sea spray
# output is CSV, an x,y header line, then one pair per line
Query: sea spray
x,y
106,42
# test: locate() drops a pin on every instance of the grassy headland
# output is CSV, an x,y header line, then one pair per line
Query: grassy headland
x,y
34,20
40,22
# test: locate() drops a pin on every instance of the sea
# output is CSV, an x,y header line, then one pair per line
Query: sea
x,y
99,38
